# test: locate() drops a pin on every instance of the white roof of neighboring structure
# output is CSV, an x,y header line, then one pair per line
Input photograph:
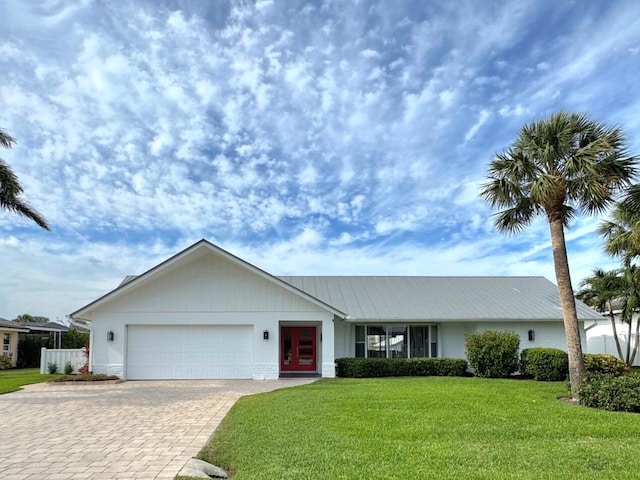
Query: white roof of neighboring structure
x,y
440,298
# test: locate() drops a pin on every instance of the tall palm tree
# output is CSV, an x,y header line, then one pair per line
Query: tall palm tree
x,y
599,291
558,167
10,188
622,231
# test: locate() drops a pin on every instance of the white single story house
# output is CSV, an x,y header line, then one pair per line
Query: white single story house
x,y
600,338
205,313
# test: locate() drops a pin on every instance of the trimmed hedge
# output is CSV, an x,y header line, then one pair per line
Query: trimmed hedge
x,y
604,363
545,364
493,354
400,367
611,392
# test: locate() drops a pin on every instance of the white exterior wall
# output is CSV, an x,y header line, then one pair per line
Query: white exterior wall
x,y
547,334
344,341
209,291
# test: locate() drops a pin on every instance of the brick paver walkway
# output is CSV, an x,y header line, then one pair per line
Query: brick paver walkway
x,y
131,430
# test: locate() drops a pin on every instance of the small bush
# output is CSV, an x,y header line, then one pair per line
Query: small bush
x,y
545,364
52,367
400,367
68,368
493,354
604,363
611,392
5,362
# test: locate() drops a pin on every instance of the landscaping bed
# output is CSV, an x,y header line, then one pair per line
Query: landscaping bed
x,y
86,378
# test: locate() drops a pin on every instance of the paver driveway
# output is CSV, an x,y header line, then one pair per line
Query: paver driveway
x,y
133,430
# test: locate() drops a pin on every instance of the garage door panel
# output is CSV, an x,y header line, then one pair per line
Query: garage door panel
x,y
189,351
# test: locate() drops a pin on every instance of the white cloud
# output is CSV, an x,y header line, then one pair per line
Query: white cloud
x,y
321,139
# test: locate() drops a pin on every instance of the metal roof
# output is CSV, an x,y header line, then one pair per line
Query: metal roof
x,y
440,298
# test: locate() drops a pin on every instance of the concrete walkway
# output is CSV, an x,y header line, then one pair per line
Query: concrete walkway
x,y
131,430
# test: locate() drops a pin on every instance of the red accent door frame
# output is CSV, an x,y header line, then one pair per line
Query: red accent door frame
x,y
298,348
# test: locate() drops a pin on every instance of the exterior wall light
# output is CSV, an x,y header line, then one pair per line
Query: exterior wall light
x,y
265,335
532,336
110,336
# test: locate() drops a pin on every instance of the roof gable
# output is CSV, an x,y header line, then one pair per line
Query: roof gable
x,y
190,254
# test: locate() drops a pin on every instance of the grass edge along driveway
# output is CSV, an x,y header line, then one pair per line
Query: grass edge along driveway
x,y
13,379
428,428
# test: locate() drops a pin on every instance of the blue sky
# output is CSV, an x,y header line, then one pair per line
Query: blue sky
x,y
305,137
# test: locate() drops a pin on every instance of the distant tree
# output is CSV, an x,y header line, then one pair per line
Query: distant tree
x,y
75,338
621,231
11,190
26,318
599,291
558,167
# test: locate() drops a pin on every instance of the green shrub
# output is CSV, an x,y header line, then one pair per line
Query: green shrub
x,y
5,362
604,363
52,367
611,392
400,367
493,354
545,364
68,368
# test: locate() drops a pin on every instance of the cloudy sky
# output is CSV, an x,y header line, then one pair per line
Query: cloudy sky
x,y
307,137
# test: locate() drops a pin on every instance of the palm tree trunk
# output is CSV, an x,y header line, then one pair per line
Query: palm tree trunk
x,y
568,303
615,331
635,345
629,344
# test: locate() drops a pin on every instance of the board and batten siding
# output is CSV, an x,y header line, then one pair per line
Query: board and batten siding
x,y
211,283
209,290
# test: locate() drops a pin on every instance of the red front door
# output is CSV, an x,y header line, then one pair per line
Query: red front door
x,y
298,348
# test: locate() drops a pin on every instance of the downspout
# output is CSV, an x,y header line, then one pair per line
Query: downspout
x,y
87,326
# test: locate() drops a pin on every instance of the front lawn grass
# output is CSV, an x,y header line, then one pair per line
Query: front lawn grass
x,y
13,379
424,428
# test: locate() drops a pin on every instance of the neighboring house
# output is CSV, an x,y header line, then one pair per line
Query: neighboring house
x,y
600,336
49,332
205,313
9,332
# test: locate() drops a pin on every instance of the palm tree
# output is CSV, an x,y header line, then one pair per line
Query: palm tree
x,y
558,167
10,188
599,291
622,232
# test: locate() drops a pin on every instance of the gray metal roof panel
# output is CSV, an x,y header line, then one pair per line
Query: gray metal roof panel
x,y
389,298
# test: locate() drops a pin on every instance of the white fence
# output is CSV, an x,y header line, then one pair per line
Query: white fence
x,y
60,357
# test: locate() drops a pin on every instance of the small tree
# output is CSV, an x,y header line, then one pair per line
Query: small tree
x,y
493,354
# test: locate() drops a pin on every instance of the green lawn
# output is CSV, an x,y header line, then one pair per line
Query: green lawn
x,y
12,380
424,428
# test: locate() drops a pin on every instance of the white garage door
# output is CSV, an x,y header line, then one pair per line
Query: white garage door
x,y
189,351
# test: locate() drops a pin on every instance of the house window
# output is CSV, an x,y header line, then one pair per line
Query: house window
x,y
396,341
419,341
6,344
360,340
376,342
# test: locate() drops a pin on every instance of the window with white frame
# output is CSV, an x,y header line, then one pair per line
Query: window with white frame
x,y
6,344
396,341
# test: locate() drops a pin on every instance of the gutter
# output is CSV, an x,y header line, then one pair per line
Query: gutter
x,y
589,327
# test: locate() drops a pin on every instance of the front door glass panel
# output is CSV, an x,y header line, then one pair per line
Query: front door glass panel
x,y
298,348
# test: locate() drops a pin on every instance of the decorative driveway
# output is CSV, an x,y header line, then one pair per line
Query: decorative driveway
x,y
130,430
